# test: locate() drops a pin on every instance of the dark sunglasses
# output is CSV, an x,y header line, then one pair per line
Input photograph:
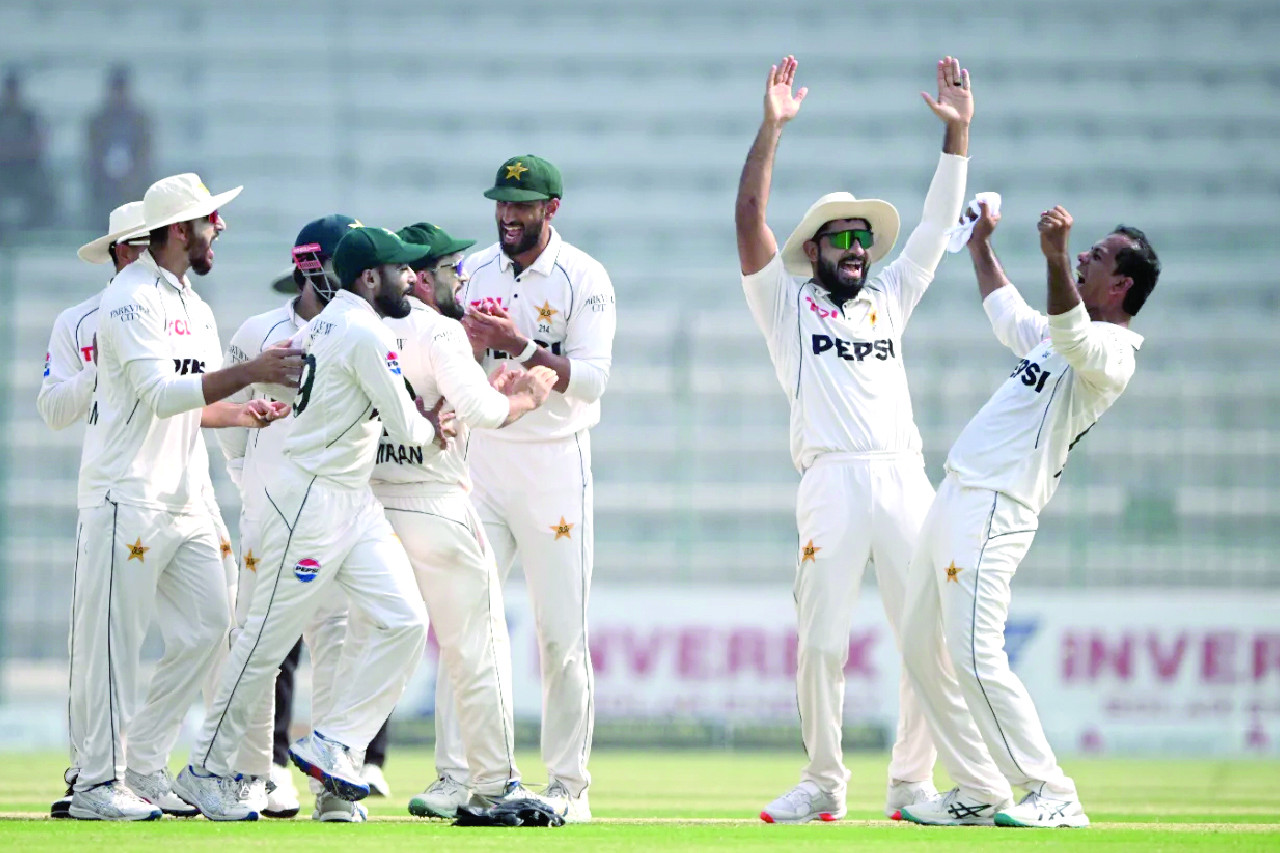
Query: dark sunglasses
x,y
845,239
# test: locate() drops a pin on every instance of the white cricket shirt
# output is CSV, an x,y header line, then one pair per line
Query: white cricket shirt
x,y
253,454
1071,371
69,372
841,368
565,302
351,387
143,446
436,358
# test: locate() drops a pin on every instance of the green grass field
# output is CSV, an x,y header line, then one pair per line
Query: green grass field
x,y
703,801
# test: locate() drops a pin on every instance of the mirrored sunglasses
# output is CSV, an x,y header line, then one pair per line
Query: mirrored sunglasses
x,y
845,239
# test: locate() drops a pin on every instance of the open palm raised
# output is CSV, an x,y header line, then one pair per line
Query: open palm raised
x,y
955,100
779,104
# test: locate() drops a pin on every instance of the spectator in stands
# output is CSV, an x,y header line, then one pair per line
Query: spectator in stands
x,y
119,148
26,195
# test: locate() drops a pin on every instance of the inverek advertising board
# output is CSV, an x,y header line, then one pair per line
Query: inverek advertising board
x,y
1131,671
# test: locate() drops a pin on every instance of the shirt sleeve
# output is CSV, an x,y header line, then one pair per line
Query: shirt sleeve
x,y
770,295
235,440
1098,357
462,381
67,388
1016,324
910,274
589,337
134,326
378,373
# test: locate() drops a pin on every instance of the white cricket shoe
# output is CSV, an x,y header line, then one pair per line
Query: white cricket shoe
x,y
253,790
899,795
804,803
111,801
372,775
333,809
329,762
157,789
217,797
1036,809
282,794
442,798
575,809
951,809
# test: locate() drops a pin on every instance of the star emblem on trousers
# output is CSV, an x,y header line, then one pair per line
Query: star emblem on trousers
x,y
225,548
562,529
809,553
250,561
138,551
953,572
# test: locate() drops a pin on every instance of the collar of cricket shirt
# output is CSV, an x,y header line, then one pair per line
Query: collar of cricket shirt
x,y
545,263
179,284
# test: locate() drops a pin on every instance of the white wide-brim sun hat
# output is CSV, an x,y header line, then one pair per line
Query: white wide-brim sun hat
x,y
125,223
181,198
880,215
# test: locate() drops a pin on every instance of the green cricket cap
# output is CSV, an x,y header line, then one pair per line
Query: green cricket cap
x,y
365,248
526,178
438,240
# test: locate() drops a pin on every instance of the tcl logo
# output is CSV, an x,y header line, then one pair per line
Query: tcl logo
x,y
87,352
178,327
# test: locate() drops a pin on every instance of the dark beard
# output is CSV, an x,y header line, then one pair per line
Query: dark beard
x,y
395,306
528,240
199,265
447,305
828,276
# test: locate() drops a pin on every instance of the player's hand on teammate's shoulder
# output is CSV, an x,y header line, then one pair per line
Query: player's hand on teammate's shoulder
x,y
445,423
536,382
256,414
986,224
279,364
954,104
1055,229
780,104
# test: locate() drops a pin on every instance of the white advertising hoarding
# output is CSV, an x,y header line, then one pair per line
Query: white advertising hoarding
x,y
1110,670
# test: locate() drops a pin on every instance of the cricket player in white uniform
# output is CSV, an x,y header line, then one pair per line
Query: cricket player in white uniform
x,y
147,541
534,299
326,530
70,373
65,397
1002,470
835,338
253,457
426,501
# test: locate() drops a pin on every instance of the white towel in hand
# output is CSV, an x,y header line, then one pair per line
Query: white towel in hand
x,y
960,234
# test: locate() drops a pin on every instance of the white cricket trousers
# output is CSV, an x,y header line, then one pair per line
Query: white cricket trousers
x,y
852,509
324,636
133,563
535,499
318,537
982,718
459,582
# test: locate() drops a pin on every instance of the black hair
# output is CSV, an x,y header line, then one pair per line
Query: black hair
x,y
115,258
159,237
1138,263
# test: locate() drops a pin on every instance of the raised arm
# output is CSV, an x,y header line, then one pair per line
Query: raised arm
x,y
756,243
1016,324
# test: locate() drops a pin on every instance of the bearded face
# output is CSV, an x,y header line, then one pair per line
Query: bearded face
x,y
391,299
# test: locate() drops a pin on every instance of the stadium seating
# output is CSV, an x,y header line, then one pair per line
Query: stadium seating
x,y
399,111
